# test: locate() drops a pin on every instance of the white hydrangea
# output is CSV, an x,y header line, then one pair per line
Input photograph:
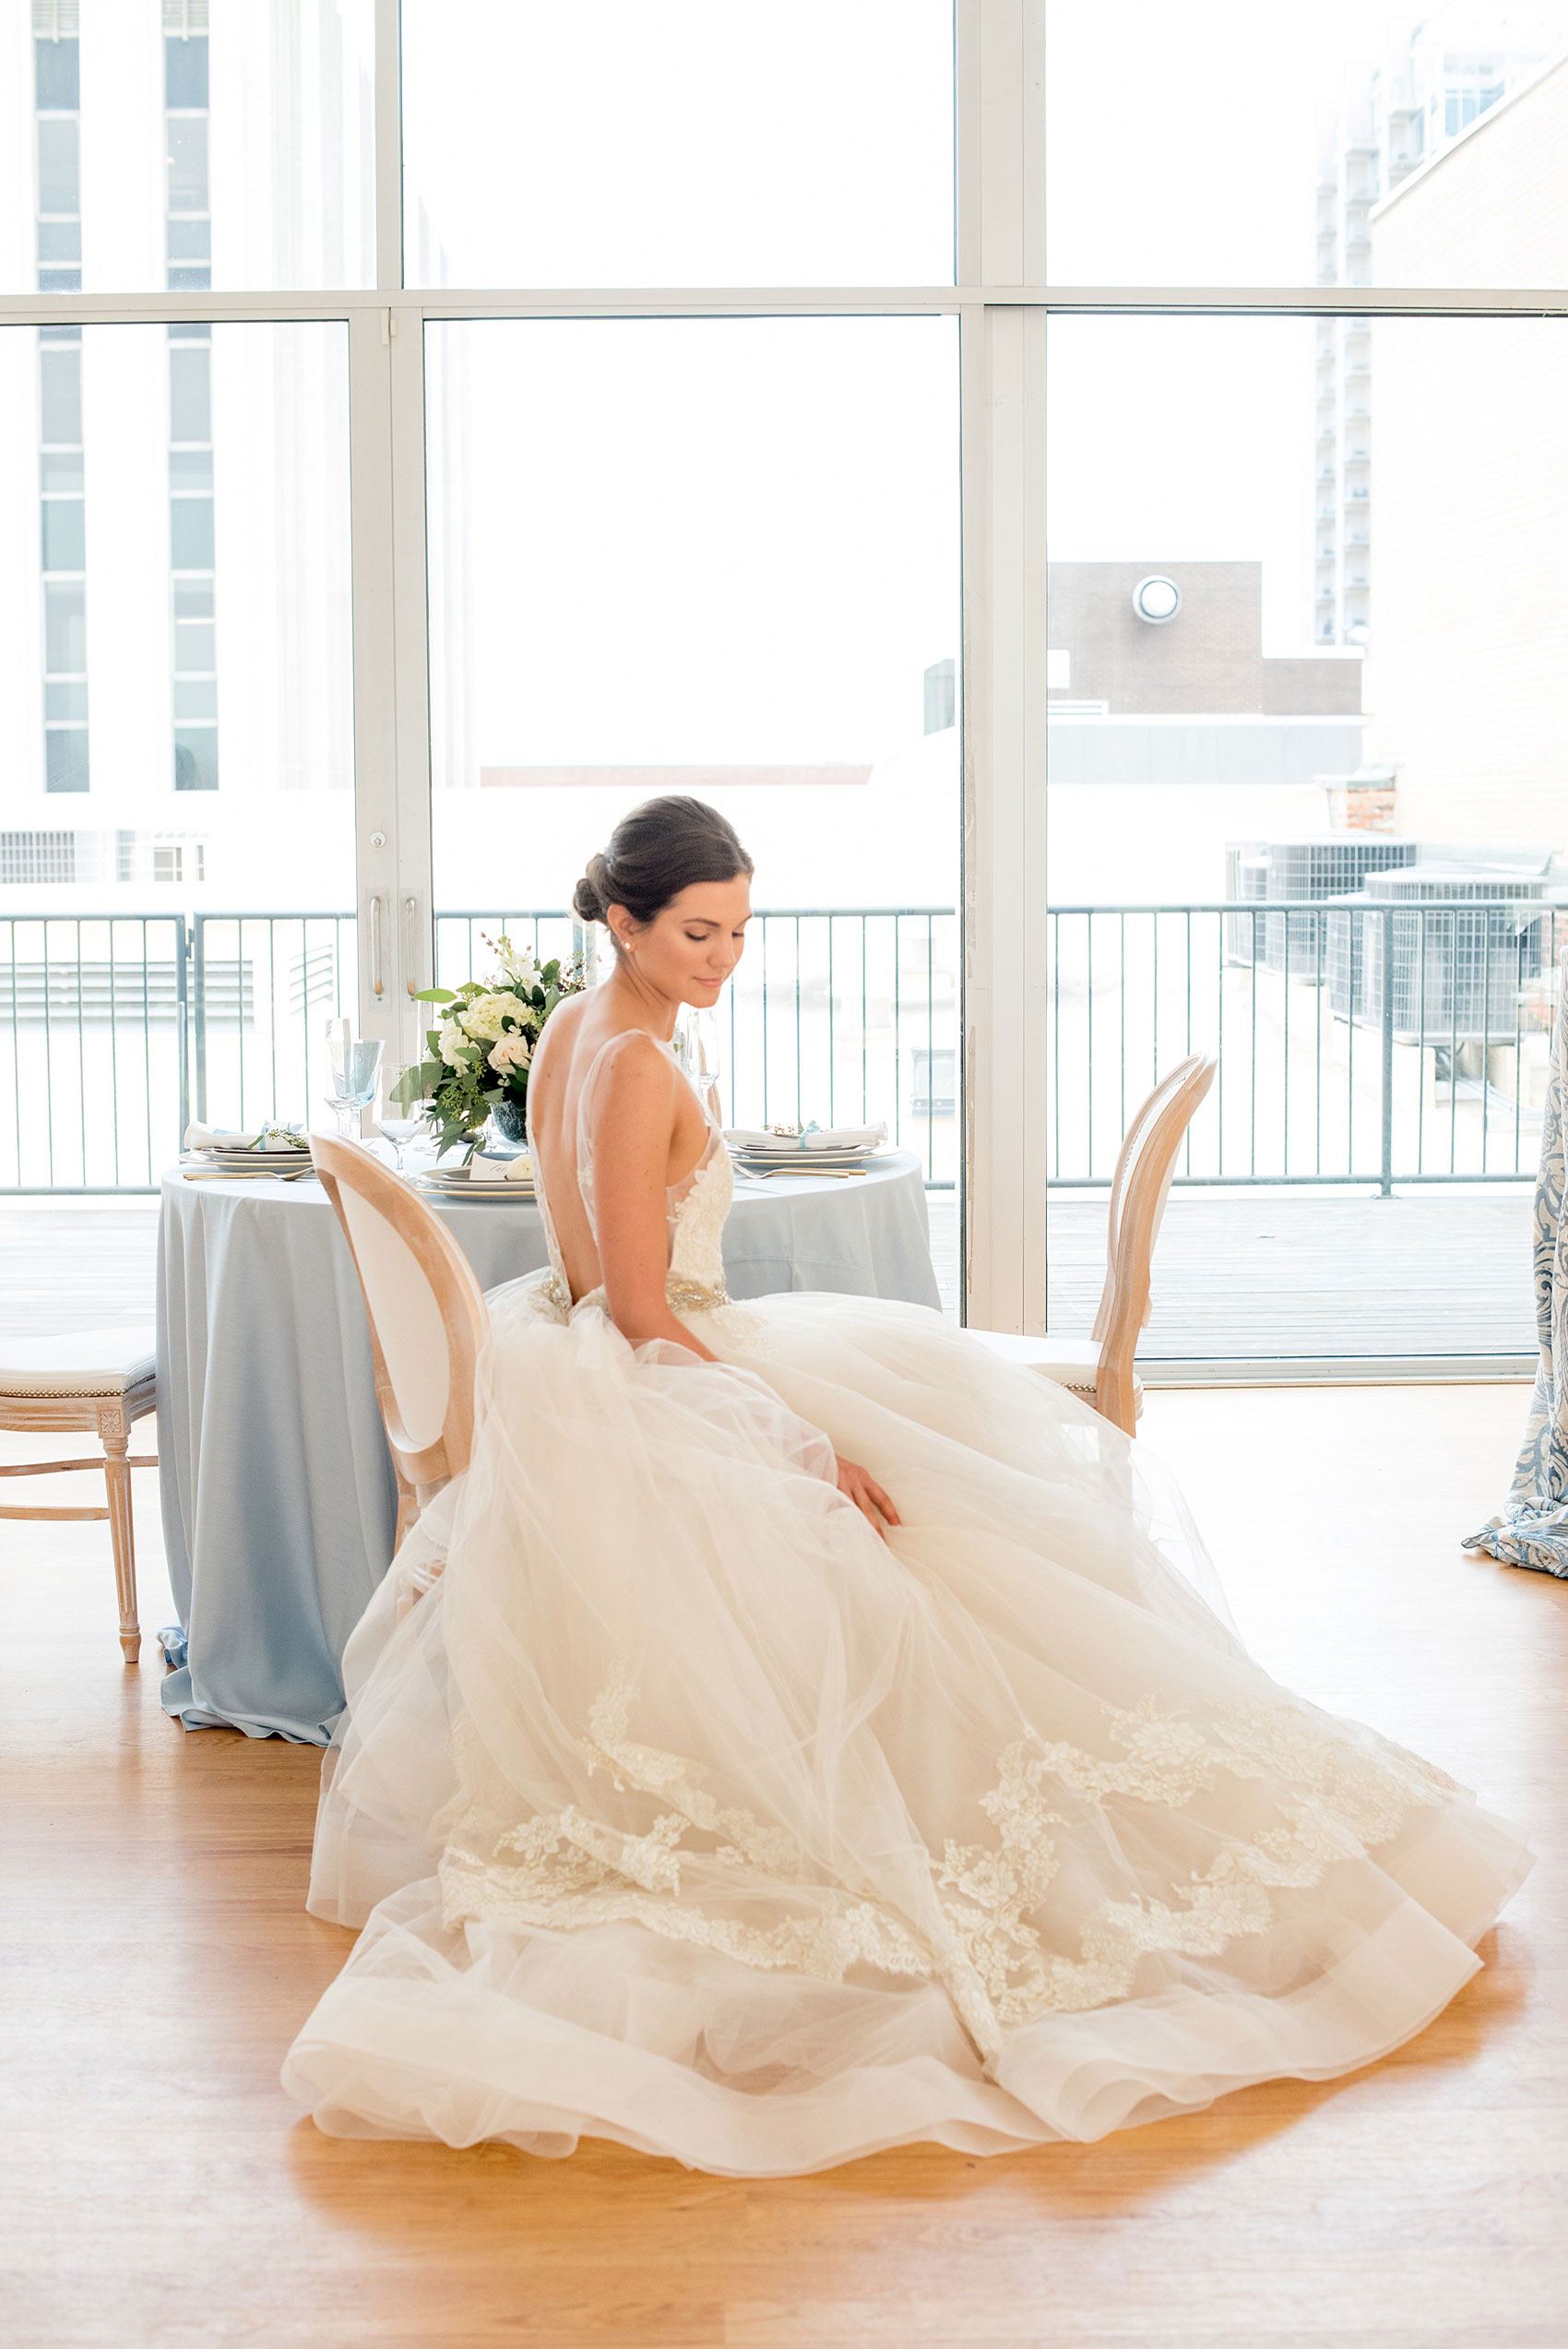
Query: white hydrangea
x,y
485,1017
450,1041
514,1051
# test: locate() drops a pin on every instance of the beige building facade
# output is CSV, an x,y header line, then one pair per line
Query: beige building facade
x,y
1206,656
1467,677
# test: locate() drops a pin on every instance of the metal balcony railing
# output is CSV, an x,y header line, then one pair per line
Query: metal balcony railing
x,y
115,1030
844,1016
1360,1041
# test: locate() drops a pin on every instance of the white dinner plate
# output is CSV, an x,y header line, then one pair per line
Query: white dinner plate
x,y
790,1157
246,1158
469,1192
819,1162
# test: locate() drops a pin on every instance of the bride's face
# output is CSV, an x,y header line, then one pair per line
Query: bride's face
x,y
687,951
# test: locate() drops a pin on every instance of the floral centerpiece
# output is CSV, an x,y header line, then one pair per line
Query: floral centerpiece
x,y
481,1053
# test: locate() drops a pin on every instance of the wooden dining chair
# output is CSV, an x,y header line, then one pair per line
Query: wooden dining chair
x,y
102,1382
427,1318
1100,1367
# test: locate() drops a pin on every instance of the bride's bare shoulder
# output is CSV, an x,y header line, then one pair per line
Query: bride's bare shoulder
x,y
629,1059
557,1049
629,1079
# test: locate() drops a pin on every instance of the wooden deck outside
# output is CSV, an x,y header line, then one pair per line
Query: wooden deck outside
x,y
1241,1277
1250,1277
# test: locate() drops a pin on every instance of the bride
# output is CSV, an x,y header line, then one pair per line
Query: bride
x,y
823,1735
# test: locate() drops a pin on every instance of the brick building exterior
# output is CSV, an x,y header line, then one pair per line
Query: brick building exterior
x,y
1208,660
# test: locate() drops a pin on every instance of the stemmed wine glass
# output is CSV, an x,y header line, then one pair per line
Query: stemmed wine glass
x,y
355,1062
698,1050
404,1108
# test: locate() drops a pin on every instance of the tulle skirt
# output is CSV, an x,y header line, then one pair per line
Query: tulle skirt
x,y
687,1811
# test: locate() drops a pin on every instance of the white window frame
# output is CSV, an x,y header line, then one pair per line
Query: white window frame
x,y
1002,305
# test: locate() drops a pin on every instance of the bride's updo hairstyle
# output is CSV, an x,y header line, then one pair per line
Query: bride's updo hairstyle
x,y
661,848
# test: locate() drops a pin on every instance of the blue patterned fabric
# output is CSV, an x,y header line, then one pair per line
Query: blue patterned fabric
x,y
1532,1527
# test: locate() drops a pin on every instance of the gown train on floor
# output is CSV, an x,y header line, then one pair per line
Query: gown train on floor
x,y
687,1811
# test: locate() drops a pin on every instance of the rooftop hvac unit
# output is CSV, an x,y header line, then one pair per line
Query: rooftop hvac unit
x,y
313,978
1449,972
1308,871
104,992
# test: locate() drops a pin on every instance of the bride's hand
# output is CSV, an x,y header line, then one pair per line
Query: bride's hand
x,y
866,1494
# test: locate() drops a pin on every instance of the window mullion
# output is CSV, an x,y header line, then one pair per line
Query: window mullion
x,y
414,909
389,146
375,731
1001,241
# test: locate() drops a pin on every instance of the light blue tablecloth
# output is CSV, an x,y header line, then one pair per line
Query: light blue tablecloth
x,y
278,1501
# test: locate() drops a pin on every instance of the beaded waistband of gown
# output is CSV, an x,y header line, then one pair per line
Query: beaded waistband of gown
x,y
679,1295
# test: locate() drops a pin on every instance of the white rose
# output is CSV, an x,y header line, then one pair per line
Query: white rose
x,y
482,1018
450,1041
514,1051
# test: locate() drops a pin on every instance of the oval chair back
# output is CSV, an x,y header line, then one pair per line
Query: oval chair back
x,y
1138,1192
427,1318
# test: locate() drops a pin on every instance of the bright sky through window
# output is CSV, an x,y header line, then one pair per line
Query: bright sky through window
x,y
743,142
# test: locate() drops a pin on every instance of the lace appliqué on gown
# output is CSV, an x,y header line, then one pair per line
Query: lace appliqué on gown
x,y
1343,1802
570,1871
1337,1799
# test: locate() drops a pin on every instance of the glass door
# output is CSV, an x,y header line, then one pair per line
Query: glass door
x,y
1307,814
177,851
717,557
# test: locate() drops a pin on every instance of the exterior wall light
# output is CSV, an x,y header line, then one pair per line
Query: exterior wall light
x,y
1157,599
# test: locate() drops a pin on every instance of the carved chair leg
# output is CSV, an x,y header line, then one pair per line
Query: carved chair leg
x,y
117,1438
1115,1397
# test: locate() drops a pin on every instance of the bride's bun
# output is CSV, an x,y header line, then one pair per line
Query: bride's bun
x,y
661,848
590,898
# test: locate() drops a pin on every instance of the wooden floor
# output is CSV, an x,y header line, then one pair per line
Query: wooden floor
x,y
156,1960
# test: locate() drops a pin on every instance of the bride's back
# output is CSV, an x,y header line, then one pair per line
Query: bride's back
x,y
574,1049
672,889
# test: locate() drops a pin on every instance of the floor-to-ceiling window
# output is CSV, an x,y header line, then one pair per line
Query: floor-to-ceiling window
x,y
720,557
173,932
821,407
564,545
1308,793
714,554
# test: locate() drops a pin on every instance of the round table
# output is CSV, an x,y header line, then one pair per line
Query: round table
x,y
277,1494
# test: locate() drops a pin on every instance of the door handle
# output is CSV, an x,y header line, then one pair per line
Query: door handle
x,y
377,984
411,944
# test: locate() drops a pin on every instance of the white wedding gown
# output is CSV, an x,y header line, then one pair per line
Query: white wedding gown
x,y
685,1811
